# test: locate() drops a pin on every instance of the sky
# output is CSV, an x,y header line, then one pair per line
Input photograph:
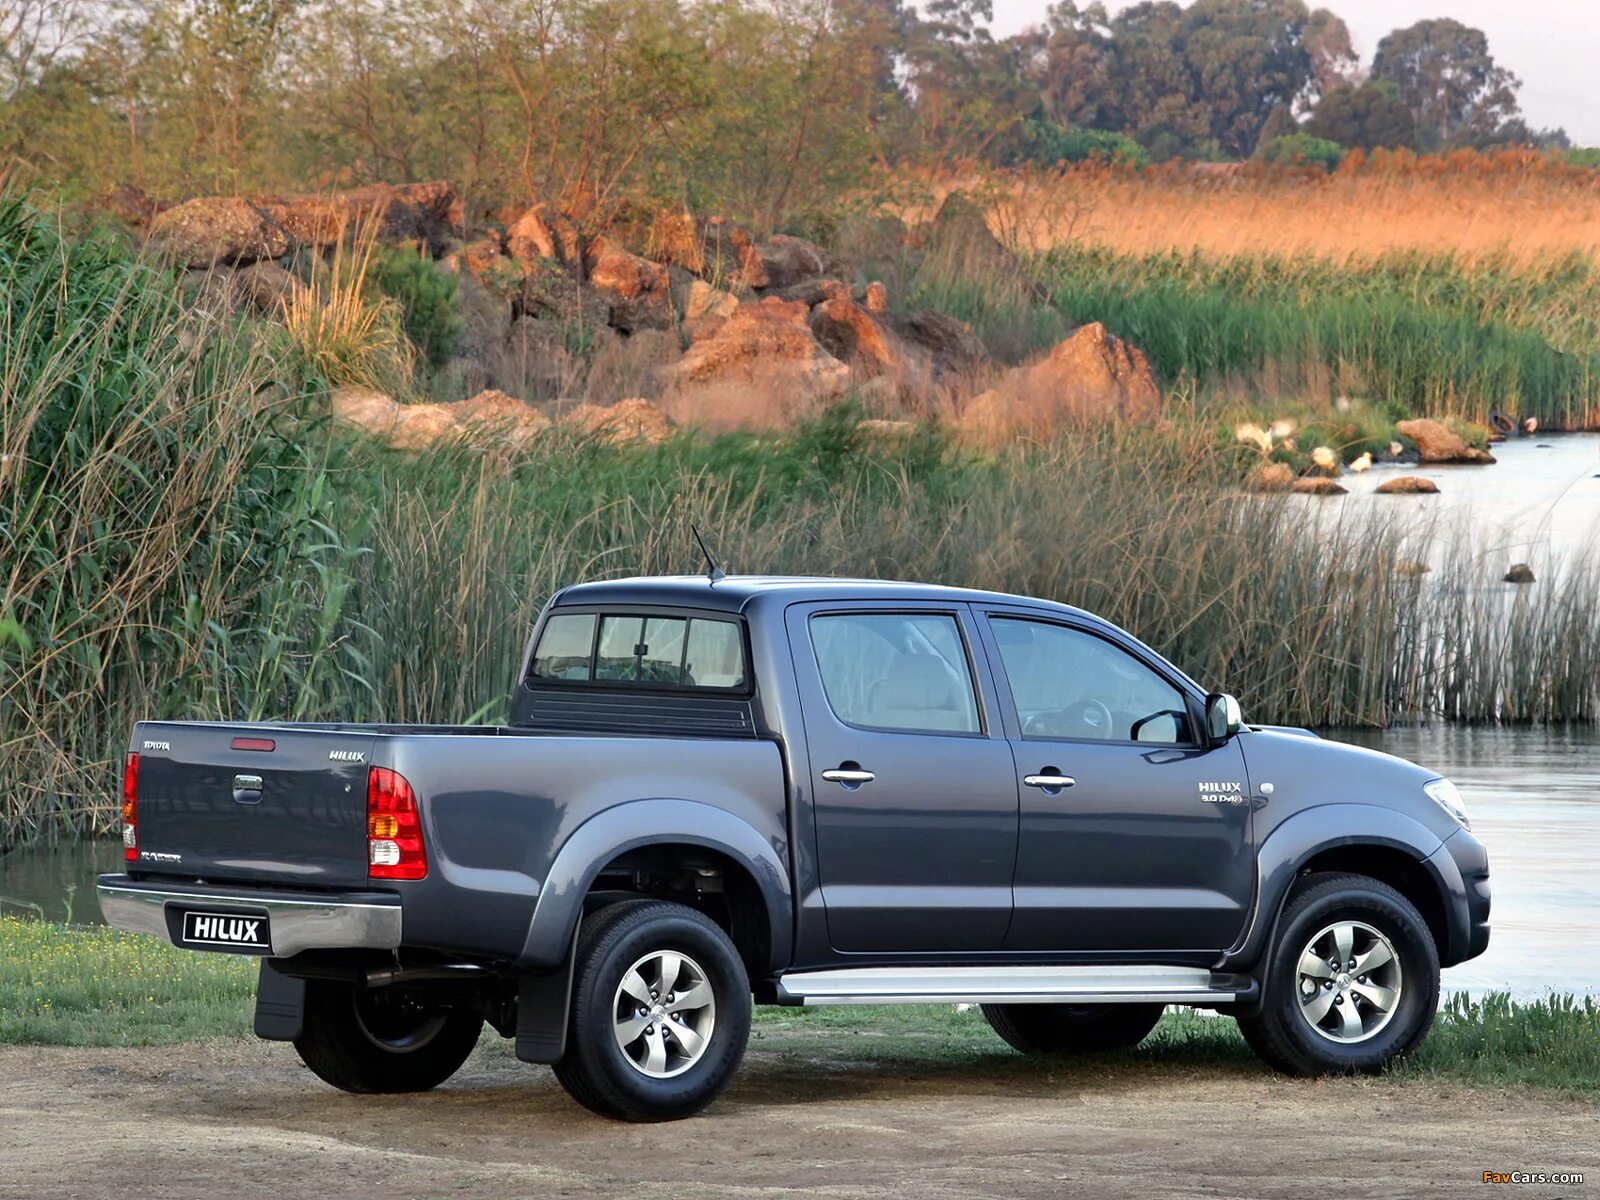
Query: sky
x,y
1553,46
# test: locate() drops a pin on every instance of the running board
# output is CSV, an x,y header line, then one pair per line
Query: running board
x,y
1014,985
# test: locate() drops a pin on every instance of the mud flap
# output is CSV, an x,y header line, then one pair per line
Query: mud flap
x,y
543,1000
280,1004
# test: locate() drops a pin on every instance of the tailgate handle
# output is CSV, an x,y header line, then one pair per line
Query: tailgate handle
x,y
247,789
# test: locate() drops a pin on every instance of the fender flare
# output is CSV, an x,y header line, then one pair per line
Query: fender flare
x,y
1305,835
638,823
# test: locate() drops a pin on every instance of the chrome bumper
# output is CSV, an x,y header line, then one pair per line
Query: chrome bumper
x,y
368,921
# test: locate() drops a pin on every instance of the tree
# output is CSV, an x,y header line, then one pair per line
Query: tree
x,y
1443,72
1333,55
1247,57
967,89
1364,118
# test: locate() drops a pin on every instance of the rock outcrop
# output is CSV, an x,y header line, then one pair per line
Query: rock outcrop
x,y
637,290
217,231
1437,443
766,343
790,260
1317,486
488,417
426,213
265,287
541,235
632,420
857,337
1407,485
1090,378
231,230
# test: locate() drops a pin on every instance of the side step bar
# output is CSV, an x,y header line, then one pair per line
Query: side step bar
x,y
1014,985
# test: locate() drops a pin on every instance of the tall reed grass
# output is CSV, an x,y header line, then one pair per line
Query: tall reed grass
x,y
163,546
1427,336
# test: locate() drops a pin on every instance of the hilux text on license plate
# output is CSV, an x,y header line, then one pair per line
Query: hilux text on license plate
x,y
225,929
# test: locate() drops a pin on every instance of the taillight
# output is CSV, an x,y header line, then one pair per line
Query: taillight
x,y
130,817
394,829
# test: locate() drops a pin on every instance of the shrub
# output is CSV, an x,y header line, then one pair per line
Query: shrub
x,y
1301,148
427,296
1044,143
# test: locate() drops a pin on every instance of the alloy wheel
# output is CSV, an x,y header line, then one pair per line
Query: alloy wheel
x,y
663,1013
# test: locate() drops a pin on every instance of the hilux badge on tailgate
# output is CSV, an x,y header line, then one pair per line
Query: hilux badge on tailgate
x,y
347,755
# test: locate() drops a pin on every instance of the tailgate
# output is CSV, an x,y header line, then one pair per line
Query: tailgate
x,y
292,811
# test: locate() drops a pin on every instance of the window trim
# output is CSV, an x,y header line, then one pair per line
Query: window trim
x,y
973,678
654,687
1008,697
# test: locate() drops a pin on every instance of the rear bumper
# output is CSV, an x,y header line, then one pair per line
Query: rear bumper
x,y
298,920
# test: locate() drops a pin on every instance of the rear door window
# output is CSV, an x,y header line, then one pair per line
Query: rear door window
x,y
906,672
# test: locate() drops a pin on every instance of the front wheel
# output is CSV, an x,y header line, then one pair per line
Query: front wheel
x,y
660,1012
382,1039
1352,983
1072,1028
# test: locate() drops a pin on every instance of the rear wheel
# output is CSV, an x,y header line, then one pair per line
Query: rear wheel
x,y
1072,1028
382,1039
660,1012
1353,981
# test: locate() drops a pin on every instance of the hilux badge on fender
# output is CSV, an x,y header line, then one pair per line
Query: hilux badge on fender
x,y
352,756
1214,792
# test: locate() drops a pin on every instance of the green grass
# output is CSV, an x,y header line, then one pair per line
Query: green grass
x,y
102,987
61,986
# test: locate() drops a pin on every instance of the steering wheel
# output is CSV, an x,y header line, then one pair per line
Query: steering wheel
x,y
1080,719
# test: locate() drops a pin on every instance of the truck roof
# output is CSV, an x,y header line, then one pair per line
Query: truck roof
x,y
734,593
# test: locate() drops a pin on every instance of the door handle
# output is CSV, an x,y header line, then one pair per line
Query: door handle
x,y
1049,782
848,775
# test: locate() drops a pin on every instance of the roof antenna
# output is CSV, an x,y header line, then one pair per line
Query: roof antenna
x,y
713,572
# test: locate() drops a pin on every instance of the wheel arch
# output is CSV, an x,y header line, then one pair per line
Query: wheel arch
x,y
641,832
1361,839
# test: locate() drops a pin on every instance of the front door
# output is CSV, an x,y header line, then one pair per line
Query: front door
x,y
1135,834
914,798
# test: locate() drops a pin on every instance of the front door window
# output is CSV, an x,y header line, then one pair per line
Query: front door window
x,y
1069,684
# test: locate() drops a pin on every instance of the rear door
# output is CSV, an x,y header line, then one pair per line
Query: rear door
x,y
1135,834
915,800
252,803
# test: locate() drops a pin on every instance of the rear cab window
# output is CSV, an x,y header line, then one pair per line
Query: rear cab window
x,y
641,649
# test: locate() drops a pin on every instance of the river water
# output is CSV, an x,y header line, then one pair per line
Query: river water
x,y
1533,796
1539,503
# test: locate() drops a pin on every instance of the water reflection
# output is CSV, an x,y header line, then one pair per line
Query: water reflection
x,y
1534,798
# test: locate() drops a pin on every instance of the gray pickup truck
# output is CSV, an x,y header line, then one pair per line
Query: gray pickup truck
x,y
718,791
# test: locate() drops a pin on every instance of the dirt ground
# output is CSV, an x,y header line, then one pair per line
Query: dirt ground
x,y
238,1120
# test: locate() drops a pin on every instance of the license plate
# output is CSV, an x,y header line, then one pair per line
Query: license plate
x,y
226,931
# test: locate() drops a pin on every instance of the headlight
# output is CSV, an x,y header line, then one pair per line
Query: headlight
x,y
1446,796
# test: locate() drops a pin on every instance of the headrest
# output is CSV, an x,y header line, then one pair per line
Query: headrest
x,y
919,682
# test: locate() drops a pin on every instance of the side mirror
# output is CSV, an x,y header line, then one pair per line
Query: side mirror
x,y
1222,717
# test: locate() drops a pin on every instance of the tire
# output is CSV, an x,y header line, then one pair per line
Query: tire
x,y
643,1066
371,1040
1349,1022
1072,1028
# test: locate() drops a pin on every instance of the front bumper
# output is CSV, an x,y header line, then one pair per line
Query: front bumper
x,y
298,920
